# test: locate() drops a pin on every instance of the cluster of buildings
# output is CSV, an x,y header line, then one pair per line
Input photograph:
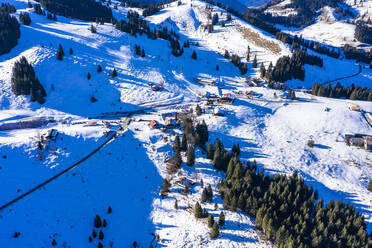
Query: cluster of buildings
x,y
360,140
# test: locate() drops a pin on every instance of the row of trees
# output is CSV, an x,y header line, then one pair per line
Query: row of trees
x,y
9,31
87,10
7,7
288,68
287,210
136,25
359,55
338,91
25,18
306,12
25,82
363,33
148,7
253,17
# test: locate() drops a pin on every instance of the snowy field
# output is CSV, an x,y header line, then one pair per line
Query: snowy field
x,y
128,172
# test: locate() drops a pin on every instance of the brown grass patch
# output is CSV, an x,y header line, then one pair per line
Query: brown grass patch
x,y
259,41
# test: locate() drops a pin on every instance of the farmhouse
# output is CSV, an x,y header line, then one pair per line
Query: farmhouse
x,y
227,98
360,140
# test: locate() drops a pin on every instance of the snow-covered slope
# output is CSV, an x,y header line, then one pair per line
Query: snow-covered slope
x,y
127,173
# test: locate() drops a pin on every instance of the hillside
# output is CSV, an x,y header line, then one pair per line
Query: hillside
x,y
107,155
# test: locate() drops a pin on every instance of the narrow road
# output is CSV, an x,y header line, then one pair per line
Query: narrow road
x,y
341,78
124,125
112,137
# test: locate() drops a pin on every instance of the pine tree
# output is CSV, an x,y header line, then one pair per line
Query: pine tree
x,y
201,183
177,144
190,155
198,212
100,245
262,70
215,19
97,222
194,55
60,52
89,76
215,206
254,64
71,51
25,18
99,68
215,232
143,53
210,151
90,239
54,242
198,110
227,54
100,236
176,204
109,210
25,82
221,219
184,142
370,185
204,196
210,220
104,223
94,233
93,29
114,73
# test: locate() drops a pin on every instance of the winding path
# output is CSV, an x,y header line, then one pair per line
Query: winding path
x,y
341,78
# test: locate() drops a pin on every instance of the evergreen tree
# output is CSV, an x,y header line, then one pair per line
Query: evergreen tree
x,y
227,54
201,183
210,151
194,55
262,70
370,185
100,236
25,18
60,52
176,204
109,210
254,63
215,232
184,142
204,196
94,233
100,245
143,53
210,221
198,212
198,110
177,144
221,219
71,51
97,222
25,82
114,73
89,76
190,155
215,19
99,68
104,224
93,29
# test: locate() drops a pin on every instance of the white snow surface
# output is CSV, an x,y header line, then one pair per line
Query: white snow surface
x,y
127,174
